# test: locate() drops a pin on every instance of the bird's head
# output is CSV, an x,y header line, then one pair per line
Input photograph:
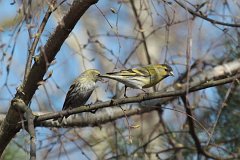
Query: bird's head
x,y
93,74
165,70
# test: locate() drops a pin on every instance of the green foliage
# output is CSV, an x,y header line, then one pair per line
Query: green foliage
x,y
228,130
14,151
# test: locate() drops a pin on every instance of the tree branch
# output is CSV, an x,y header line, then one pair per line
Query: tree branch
x,y
10,125
30,126
201,81
205,17
136,99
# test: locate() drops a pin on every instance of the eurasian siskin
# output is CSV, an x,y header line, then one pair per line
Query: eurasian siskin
x,y
142,77
80,90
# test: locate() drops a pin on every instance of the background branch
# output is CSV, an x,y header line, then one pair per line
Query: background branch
x,y
198,14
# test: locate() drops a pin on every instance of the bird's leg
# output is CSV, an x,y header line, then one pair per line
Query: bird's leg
x,y
92,111
98,100
125,90
89,105
113,102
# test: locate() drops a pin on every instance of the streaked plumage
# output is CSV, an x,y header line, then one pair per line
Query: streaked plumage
x,y
142,77
80,90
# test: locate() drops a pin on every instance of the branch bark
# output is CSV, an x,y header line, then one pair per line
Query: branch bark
x,y
209,78
205,78
44,119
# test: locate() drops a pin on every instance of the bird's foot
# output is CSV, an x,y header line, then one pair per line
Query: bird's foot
x,y
125,95
113,102
89,105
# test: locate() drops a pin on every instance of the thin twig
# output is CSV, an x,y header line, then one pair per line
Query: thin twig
x,y
142,33
22,107
205,17
191,125
128,125
36,39
220,110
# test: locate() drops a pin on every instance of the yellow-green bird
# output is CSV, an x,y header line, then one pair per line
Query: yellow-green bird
x,y
80,90
142,77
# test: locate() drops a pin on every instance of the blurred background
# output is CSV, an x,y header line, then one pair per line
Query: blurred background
x,y
120,34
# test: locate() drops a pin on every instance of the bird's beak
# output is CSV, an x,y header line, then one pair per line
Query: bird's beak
x,y
171,73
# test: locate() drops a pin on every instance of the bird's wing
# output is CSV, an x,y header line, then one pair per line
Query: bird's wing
x,y
131,72
69,98
130,81
142,71
73,93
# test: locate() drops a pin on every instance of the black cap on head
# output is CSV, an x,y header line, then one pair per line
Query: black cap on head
x,y
168,69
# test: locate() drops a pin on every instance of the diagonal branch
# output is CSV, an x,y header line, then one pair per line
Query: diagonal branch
x,y
30,126
200,81
137,99
37,38
142,33
104,117
199,14
224,104
10,125
191,125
